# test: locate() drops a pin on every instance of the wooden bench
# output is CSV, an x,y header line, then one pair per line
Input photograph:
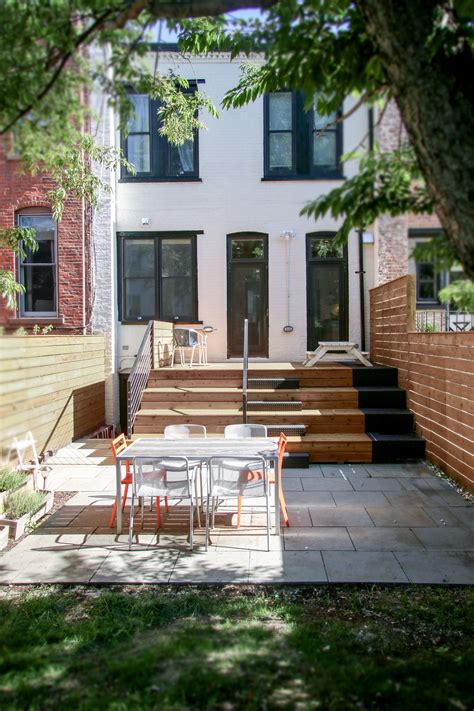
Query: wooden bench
x,y
324,347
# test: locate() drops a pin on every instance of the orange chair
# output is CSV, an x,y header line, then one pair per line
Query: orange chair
x,y
271,480
118,445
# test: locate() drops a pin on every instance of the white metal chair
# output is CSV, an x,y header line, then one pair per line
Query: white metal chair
x,y
185,339
25,452
188,432
244,431
172,477
237,477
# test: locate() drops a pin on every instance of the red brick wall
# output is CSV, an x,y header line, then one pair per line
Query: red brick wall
x,y
19,191
437,370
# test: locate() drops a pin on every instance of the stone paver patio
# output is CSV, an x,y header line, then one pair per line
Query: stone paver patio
x,y
391,523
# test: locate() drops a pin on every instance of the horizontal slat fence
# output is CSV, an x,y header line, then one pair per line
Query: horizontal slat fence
x,y
53,386
437,370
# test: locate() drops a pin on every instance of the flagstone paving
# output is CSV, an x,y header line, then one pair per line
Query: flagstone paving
x,y
390,523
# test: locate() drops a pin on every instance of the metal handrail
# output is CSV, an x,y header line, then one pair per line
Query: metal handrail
x,y
245,370
138,378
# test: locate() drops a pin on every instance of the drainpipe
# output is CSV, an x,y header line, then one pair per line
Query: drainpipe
x,y
361,273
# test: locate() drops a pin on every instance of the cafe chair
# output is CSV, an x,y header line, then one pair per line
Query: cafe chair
x,y
118,445
170,477
237,477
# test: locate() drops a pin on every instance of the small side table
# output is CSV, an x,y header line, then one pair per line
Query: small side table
x,y
324,347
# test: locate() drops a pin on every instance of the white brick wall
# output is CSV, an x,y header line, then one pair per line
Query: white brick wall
x,y
233,198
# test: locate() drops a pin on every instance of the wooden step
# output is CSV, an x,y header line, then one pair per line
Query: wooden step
x,y
328,420
203,397
333,447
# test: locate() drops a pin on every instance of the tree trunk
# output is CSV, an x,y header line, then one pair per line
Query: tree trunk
x,y
434,92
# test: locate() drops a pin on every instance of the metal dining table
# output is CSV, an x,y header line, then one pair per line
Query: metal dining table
x,y
201,449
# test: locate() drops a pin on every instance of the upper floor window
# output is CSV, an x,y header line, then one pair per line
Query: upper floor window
x,y
37,270
299,143
152,155
158,277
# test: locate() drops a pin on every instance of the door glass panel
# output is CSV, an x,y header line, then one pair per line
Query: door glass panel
x,y
247,249
325,248
248,299
324,302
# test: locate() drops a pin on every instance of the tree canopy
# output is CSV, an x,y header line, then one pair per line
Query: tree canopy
x,y
417,52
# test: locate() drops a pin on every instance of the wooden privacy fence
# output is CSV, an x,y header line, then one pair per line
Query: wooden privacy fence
x,y
53,386
437,371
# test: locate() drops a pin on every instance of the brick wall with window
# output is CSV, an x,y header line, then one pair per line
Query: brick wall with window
x,y
56,275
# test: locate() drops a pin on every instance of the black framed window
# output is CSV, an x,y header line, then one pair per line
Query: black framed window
x,y
300,144
37,271
152,155
158,277
428,282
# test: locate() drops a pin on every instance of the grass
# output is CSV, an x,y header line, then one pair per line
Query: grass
x,y
147,647
20,503
10,479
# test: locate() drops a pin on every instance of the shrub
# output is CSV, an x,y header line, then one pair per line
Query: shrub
x,y
10,479
20,503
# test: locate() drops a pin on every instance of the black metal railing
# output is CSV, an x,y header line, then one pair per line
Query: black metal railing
x,y
440,320
138,378
245,370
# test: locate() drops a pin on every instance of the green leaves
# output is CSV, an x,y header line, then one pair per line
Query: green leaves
x,y
386,183
460,294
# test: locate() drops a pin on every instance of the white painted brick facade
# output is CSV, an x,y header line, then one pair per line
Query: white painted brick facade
x,y
233,198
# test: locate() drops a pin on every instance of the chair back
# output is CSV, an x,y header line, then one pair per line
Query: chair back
x,y
22,449
244,431
237,476
118,445
170,476
185,337
184,431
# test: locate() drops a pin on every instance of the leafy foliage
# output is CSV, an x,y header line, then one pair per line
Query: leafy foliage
x,y
383,185
10,478
20,503
460,293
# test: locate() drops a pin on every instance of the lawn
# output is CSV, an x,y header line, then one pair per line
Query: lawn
x,y
145,647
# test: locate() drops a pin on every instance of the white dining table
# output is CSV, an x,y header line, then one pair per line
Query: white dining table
x,y
201,449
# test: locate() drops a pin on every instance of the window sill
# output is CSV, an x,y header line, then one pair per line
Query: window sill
x,y
144,322
144,179
32,321
300,178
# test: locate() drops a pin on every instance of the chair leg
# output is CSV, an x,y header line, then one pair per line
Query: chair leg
x,y
239,510
142,512
283,508
130,526
167,508
124,497
158,512
268,518
192,356
207,520
191,523
197,502
213,512
114,513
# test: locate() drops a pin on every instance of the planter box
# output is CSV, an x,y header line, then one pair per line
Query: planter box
x,y
18,526
27,484
4,533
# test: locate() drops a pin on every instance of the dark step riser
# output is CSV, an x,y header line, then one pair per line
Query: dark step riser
x,y
275,383
390,424
296,461
397,451
383,398
375,377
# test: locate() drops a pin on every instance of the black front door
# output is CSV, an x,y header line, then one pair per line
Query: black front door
x,y
247,293
327,289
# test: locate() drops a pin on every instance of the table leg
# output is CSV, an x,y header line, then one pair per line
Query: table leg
x,y
118,495
277,497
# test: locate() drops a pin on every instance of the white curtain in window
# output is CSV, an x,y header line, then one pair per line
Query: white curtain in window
x,y
186,155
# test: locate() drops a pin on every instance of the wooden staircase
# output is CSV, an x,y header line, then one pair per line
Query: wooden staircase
x,y
331,413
